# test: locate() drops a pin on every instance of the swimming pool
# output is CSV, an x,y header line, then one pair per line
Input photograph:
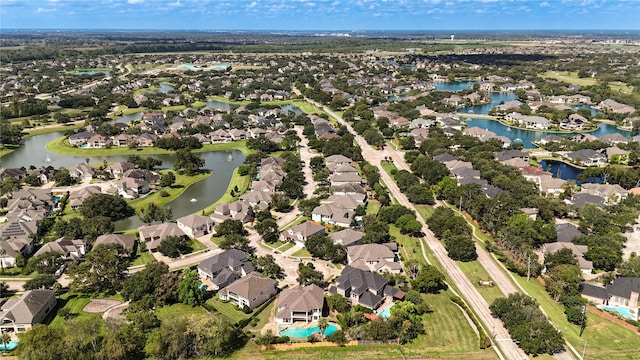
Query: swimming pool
x,y
300,333
386,312
10,345
624,312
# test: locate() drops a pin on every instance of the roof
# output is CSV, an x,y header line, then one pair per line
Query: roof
x,y
23,309
624,286
567,232
370,252
369,299
301,298
346,237
359,279
126,241
231,258
194,220
250,286
308,228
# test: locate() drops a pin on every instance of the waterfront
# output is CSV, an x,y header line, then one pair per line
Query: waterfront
x,y
33,152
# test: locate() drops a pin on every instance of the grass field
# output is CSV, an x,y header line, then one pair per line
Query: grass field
x,y
569,77
142,258
75,303
604,339
302,253
425,211
410,245
178,310
475,273
618,86
229,310
263,317
373,207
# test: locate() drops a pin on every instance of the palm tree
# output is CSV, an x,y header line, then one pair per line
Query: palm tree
x,y
5,338
322,325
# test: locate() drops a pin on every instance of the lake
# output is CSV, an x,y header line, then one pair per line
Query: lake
x,y
164,88
453,85
33,151
564,171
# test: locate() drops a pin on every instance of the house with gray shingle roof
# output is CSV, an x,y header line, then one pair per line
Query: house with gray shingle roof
x,y
251,291
623,292
225,268
21,314
375,257
361,287
347,237
300,303
301,232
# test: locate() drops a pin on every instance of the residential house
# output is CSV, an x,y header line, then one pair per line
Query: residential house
x,y
529,121
613,194
77,197
224,268
421,123
22,313
131,188
623,293
578,251
118,169
334,161
301,232
349,189
613,139
82,171
70,249
153,235
609,105
566,232
250,291
361,287
13,247
80,138
128,242
15,173
332,214
587,157
195,225
375,257
345,178
347,237
300,303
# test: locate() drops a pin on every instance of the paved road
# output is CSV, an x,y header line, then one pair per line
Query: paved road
x,y
509,349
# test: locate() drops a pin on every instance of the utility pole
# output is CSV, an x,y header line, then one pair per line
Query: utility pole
x,y
528,266
584,318
584,349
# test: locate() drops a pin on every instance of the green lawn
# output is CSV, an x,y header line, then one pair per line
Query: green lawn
x,y
373,207
142,258
178,310
263,317
181,184
475,273
605,340
302,253
286,246
569,77
75,303
196,245
619,86
229,310
388,166
425,211
409,246
61,146
299,220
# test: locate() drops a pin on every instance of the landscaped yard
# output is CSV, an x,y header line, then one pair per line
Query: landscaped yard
x,y
604,340
302,253
229,310
142,257
425,211
178,310
263,317
410,246
569,77
196,245
181,184
373,207
75,303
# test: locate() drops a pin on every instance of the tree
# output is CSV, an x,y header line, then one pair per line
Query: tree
x,y
43,342
111,206
431,171
168,179
631,267
429,280
41,281
230,226
102,270
154,212
63,178
4,339
280,202
322,325
174,246
560,257
189,290
235,241
307,274
461,248
188,162
46,263
563,280
338,303
307,205
145,281
268,266
338,337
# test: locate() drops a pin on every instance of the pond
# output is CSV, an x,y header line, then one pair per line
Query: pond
x,y
92,72
164,88
496,99
564,171
128,118
453,85
33,151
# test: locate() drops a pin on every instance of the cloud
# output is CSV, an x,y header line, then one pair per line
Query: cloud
x,y
252,5
175,4
133,2
544,4
44,10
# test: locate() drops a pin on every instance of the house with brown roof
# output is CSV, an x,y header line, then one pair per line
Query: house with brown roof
x,y
82,171
301,232
153,235
300,303
69,248
195,225
375,257
250,291
128,242
347,237
332,214
21,314
578,251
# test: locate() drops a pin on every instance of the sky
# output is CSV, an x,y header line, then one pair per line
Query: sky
x,y
338,15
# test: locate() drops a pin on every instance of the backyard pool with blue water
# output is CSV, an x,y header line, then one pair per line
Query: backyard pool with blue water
x,y
10,345
624,312
386,312
301,333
